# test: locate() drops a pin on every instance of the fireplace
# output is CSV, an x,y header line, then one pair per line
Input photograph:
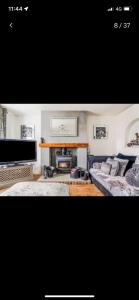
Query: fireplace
x,y
64,163
78,152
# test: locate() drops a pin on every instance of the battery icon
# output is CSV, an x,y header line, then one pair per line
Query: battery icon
x,y
127,8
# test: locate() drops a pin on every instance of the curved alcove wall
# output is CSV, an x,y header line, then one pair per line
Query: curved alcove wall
x,y
131,129
127,124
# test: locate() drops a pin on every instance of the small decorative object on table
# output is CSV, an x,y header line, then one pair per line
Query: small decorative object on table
x,y
132,178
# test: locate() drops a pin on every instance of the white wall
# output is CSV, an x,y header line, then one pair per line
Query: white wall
x,y
12,129
131,130
122,128
34,120
101,147
126,125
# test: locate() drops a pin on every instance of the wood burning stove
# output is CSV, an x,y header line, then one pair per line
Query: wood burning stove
x,y
65,163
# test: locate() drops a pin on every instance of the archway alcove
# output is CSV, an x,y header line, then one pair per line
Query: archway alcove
x,y
131,129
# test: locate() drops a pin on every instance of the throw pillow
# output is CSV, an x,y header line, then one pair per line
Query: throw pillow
x,y
109,160
114,166
130,158
137,160
106,168
132,177
122,166
97,166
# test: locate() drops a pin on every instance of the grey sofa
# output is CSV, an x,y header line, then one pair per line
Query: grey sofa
x,y
110,185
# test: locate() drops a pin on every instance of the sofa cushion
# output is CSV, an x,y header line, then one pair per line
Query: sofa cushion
x,y
118,186
97,165
132,176
106,168
131,159
109,160
99,177
122,165
114,166
137,160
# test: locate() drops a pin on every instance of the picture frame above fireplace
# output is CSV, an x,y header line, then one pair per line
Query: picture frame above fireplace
x,y
65,126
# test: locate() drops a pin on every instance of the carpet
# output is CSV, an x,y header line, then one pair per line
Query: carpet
x,y
33,188
64,178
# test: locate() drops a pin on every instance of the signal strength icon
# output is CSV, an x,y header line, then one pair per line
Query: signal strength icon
x,y
110,9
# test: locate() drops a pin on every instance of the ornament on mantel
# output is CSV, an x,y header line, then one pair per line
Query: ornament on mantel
x,y
42,140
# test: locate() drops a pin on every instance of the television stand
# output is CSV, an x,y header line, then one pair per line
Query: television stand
x,y
12,174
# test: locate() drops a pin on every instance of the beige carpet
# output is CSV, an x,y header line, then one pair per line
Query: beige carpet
x,y
64,178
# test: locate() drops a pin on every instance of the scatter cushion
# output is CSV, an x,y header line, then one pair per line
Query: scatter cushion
x,y
122,165
137,160
106,168
109,160
97,165
130,176
115,165
131,159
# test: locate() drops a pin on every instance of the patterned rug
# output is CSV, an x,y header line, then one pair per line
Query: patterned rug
x,y
64,178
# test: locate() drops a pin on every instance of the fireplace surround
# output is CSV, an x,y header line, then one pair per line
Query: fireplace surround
x,y
77,149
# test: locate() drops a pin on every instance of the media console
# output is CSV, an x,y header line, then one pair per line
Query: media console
x,y
10,174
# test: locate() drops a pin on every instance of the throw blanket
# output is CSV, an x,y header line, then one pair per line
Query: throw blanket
x,y
37,189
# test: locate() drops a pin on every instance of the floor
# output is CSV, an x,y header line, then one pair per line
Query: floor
x,y
84,190
77,189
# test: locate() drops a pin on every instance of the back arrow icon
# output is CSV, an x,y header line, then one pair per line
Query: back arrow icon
x,y
11,25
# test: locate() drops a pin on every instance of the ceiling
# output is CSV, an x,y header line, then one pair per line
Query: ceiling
x,y
98,109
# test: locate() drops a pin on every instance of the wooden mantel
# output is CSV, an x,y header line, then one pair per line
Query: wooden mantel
x,y
64,145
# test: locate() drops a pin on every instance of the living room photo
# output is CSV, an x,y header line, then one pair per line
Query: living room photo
x,y
69,150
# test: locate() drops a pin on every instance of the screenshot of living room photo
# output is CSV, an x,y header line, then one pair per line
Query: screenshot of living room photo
x,y
69,150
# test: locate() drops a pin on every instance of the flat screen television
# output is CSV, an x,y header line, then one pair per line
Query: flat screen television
x,y
17,151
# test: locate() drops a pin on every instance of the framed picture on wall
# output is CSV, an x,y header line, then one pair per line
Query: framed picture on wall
x,y
27,132
100,132
63,126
